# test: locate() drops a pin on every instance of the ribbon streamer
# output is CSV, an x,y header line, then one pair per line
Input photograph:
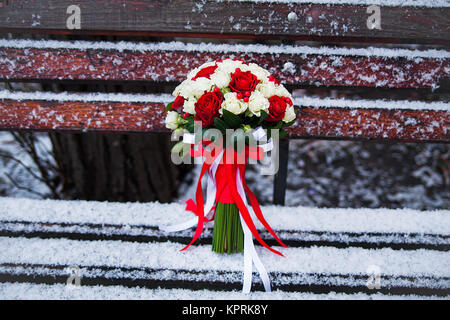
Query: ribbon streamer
x,y
235,172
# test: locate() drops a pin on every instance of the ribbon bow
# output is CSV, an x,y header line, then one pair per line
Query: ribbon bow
x,y
234,176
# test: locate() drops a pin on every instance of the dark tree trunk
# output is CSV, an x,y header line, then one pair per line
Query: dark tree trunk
x,y
132,167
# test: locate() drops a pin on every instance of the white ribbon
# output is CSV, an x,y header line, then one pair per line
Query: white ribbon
x,y
210,200
250,255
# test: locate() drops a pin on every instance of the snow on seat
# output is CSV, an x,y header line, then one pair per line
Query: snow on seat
x,y
118,245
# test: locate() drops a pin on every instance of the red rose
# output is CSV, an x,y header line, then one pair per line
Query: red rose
x,y
205,72
243,81
277,108
178,103
207,107
273,79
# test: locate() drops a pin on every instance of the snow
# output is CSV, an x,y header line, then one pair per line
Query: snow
x,y
435,222
304,101
160,260
14,291
85,97
371,104
226,48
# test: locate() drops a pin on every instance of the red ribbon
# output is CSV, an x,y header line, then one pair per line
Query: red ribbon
x,y
227,189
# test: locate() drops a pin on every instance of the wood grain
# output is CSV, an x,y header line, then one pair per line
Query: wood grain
x,y
311,69
320,123
230,19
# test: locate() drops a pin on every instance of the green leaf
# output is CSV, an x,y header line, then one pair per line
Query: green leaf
x,y
225,90
279,125
220,124
263,117
288,124
253,121
190,126
232,120
169,107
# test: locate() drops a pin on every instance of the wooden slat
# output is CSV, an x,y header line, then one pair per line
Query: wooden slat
x,y
322,123
157,65
235,19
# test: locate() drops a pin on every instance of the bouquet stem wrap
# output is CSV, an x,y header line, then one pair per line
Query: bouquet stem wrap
x,y
228,236
226,185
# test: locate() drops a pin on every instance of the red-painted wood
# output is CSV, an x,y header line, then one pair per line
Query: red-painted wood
x,y
231,19
313,69
332,123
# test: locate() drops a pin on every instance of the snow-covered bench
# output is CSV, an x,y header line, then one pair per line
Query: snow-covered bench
x,y
121,253
399,249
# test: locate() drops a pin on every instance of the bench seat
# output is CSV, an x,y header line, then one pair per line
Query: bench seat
x,y
119,245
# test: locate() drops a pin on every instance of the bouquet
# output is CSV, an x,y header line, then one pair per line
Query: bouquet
x,y
223,109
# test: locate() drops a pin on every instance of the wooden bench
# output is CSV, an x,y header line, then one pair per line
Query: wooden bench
x,y
364,64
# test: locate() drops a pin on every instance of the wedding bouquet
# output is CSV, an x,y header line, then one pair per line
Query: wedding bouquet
x,y
238,102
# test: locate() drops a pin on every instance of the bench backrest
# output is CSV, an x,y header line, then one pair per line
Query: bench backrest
x,y
352,67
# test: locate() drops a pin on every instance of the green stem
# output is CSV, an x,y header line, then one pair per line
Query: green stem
x,y
228,236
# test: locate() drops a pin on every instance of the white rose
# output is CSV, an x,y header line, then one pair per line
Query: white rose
x,y
179,88
290,114
257,102
196,88
233,104
189,105
259,72
206,65
268,89
229,66
192,73
282,92
221,78
186,89
172,120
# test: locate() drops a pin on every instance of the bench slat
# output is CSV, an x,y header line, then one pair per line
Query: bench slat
x,y
235,19
120,244
312,122
331,67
